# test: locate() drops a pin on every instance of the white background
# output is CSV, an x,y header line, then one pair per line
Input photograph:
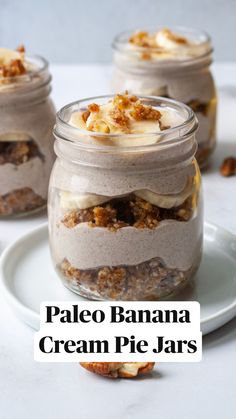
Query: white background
x,y
81,31
29,390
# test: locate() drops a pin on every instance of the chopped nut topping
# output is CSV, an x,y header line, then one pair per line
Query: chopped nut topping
x,y
124,101
228,167
12,63
120,118
142,113
85,115
149,40
141,39
120,115
15,68
21,49
93,107
99,126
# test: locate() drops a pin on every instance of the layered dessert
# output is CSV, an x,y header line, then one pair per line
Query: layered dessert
x,y
173,64
125,208
26,142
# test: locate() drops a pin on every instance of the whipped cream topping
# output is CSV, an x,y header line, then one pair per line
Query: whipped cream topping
x,y
165,44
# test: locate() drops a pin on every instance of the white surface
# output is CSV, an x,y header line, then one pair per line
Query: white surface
x,y
29,390
25,286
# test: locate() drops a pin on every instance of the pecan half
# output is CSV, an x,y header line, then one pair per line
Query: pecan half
x,y
228,167
118,369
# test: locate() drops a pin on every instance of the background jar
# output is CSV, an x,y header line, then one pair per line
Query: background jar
x,y
119,246
27,116
188,80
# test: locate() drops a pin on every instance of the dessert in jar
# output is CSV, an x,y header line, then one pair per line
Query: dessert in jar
x,y
125,209
27,116
175,64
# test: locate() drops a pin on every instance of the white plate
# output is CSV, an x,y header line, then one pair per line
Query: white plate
x,y
28,277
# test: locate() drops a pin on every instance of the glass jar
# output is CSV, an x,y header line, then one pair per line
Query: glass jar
x,y
186,79
143,238
27,116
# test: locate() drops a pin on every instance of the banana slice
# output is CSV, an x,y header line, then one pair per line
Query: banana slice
x,y
166,201
69,200
101,122
7,55
77,121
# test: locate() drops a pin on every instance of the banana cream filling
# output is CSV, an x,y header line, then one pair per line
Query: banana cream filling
x,y
69,200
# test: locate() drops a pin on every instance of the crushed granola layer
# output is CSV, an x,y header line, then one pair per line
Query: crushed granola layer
x,y
18,152
20,201
150,280
129,211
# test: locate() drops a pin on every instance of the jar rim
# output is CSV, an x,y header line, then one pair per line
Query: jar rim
x,y
120,43
62,128
41,67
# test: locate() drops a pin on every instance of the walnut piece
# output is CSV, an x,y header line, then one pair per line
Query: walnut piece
x,y
141,39
13,69
93,107
144,113
21,48
85,115
119,118
228,167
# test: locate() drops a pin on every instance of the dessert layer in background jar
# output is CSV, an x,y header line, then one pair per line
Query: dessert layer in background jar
x,y
173,64
26,143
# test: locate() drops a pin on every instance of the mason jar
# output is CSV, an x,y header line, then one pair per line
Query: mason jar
x,y
27,116
125,210
185,77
